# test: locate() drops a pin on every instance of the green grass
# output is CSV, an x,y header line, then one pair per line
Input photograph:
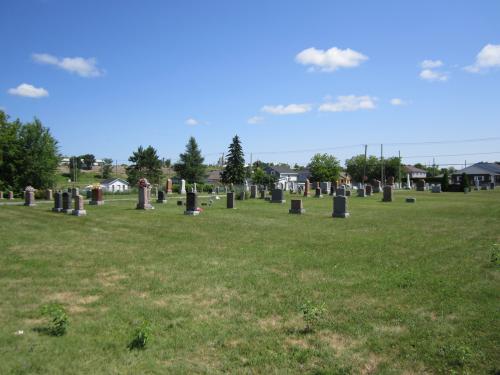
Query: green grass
x,y
408,288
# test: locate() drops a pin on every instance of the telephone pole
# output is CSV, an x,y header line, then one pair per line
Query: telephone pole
x,y
364,166
382,163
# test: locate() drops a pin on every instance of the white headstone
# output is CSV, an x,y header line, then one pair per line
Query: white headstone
x,y
183,186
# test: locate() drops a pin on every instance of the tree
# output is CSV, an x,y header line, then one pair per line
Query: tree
x,y
391,167
167,163
324,167
88,161
356,165
259,176
145,164
445,181
190,165
234,172
9,151
107,168
464,182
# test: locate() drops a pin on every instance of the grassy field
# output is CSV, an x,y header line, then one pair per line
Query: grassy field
x,y
408,288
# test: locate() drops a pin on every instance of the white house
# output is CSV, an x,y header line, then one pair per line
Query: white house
x,y
115,185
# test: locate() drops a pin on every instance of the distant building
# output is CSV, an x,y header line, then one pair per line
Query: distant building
x,y
483,174
115,185
284,175
414,172
213,177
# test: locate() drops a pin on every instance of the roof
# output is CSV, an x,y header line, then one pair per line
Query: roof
x,y
481,168
412,169
109,181
281,169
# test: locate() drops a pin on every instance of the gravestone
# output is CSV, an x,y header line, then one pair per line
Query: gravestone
x,y
388,196
421,185
306,188
376,186
191,204
97,196
340,207
79,209
341,192
278,196
195,190
168,186
296,207
318,193
48,194
436,188
74,192
67,202
1,194
333,189
347,193
361,193
241,196
29,196
253,191
58,207
161,197
183,187
144,195
230,200
263,194
88,194
368,190
390,180
11,195
411,200
325,187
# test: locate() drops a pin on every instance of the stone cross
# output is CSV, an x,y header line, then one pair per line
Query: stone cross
x,y
67,201
183,186
191,204
296,207
230,200
29,196
57,202
340,207
79,209
97,196
144,195
388,196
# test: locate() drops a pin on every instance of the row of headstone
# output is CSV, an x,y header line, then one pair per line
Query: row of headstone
x,y
63,203
340,207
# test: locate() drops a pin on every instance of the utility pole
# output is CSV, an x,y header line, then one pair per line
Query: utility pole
x,y
116,168
382,163
364,166
399,169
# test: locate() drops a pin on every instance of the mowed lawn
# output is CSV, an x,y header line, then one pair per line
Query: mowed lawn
x,y
408,288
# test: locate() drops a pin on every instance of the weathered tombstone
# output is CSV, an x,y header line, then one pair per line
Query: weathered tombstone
x,y
10,195
368,190
168,186
325,187
388,196
306,188
340,207
376,186
144,195
97,196
74,192
79,209
296,207
333,189
230,200
421,185
411,200
191,204
195,190
58,206
183,187
1,194
48,194
29,196
318,193
241,196
278,196
67,201
263,194
390,180
436,188
253,191
161,197
361,193
341,192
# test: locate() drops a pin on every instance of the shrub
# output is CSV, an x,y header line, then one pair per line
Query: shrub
x,y
312,314
464,182
58,319
495,255
141,336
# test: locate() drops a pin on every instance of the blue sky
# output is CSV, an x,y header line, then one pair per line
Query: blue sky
x,y
108,76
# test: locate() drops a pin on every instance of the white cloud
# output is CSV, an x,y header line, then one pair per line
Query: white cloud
x,y
349,103
488,57
255,120
30,91
431,64
79,65
192,121
331,59
290,109
432,75
398,101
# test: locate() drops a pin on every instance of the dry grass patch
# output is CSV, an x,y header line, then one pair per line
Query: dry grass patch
x,y
395,330
110,278
339,343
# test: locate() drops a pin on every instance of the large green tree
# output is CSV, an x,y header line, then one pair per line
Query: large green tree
x,y
356,165
234,172
324,167
145,163
88,161
29,154
190,165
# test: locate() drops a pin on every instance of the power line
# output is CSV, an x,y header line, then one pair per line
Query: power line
x,y
448,155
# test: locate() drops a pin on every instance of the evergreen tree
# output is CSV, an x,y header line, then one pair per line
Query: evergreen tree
x,y
234,172
190,165
464,182
145,164
445,181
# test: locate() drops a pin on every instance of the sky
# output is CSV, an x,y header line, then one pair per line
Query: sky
x,y
290,78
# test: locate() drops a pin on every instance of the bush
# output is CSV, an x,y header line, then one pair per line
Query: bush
x,y
58,319
495,255
141,336
312,315
464,182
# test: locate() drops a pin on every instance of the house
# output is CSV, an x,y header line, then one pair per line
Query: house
x,y
414,172
115,185
284,175
482,174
